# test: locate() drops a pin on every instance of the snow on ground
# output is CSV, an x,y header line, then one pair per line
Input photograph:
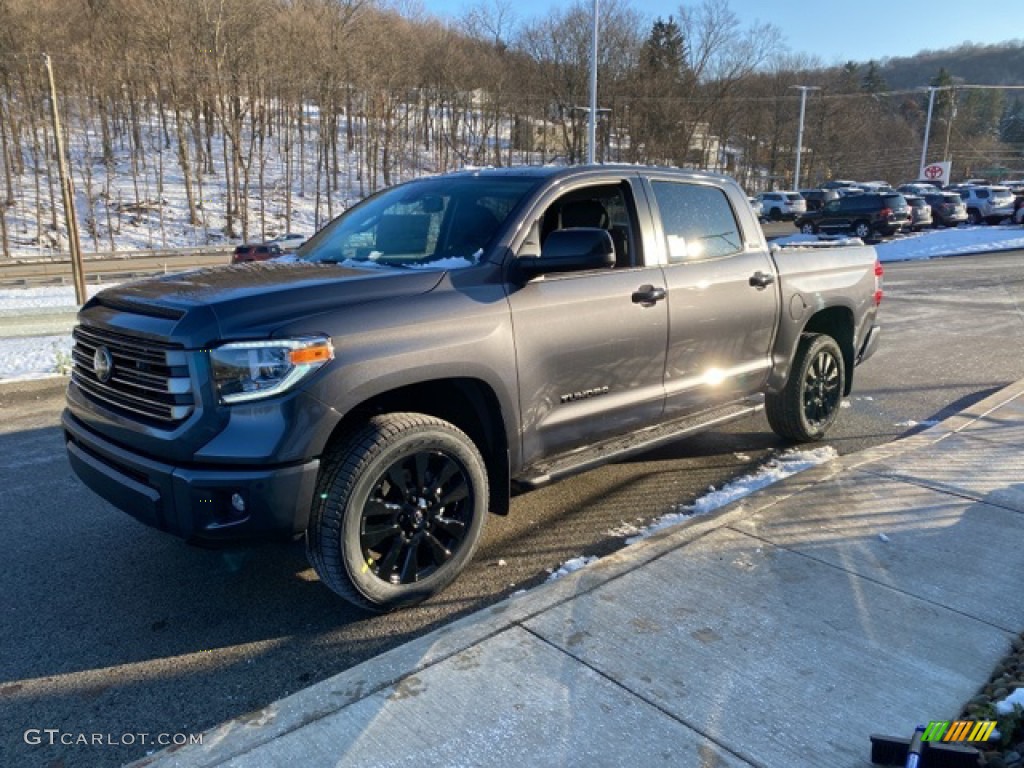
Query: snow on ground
x,y
932,243
34,357
777,468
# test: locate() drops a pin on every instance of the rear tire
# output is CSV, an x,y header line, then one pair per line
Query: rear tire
x,y
862,230
809,404
399,511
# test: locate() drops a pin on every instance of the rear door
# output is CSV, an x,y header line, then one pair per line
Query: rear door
x,y
722,296
836,216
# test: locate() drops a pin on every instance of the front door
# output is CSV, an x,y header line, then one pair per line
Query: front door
x,y
590,346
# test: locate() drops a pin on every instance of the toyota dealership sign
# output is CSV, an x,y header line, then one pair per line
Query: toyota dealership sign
x,y
937,172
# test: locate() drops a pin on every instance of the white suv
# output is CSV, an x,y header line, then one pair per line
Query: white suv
x,y
987,204
786,204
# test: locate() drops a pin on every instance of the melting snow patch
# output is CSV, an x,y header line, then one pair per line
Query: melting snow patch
x,y
911,423
624,529
571,566
777,468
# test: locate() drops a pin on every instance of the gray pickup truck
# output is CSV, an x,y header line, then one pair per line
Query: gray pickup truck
x,y
446,343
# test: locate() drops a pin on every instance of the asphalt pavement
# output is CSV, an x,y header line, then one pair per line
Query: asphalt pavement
x,y
867,595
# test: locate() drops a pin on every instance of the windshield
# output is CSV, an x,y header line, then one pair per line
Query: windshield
x,y
445,222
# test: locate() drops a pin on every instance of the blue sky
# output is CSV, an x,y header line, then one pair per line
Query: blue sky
x,y
834,31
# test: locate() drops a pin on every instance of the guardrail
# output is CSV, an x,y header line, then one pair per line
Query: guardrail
x,y
98,267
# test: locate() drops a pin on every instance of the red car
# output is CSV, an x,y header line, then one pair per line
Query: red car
x,y
256,252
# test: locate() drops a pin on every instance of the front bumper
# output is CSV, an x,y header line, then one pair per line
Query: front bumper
x,y
193,503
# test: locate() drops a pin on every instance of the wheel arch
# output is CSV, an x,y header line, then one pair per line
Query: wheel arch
x,y
467,403
837,322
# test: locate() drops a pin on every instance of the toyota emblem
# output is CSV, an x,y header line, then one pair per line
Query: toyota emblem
x,y
102,364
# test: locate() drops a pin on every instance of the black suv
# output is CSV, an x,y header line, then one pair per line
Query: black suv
x,y
816,198
862,215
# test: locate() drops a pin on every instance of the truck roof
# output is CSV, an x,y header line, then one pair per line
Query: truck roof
x,y
568,171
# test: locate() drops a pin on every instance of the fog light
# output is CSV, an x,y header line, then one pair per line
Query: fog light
x,y
238,502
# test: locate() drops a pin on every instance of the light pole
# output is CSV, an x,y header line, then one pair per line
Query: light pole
x,y
800,130
927,129
928,125
592,118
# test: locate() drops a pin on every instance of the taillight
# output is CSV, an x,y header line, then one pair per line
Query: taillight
x,y
885,213
879,271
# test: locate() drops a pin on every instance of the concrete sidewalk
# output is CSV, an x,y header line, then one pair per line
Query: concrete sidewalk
x,y
864,596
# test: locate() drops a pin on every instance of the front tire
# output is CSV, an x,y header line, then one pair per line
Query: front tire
x,y
809,228
809,404
399,511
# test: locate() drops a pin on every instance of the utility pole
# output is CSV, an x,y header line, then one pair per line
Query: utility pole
x,y
67,190
800,130
592,118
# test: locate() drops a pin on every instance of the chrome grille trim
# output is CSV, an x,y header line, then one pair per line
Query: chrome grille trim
x,y
150,380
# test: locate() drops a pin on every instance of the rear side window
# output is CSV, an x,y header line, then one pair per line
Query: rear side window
x,y
698,221
894,201
793,198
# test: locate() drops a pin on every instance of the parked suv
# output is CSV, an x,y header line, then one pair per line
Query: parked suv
x,y
987,204
862,215
948,208
782,205
816,198
920,212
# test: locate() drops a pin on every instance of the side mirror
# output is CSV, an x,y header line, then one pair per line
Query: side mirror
x,y
571,250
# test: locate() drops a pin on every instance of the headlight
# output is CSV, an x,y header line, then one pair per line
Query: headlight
x,y
251,370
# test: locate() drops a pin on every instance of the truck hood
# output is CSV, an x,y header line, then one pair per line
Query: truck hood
x,y
203,306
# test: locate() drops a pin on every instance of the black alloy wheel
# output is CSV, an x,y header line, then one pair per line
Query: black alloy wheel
x,y
399,510
822,389
416,517
811,400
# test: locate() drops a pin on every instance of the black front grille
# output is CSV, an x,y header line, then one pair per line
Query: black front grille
x,y
148,381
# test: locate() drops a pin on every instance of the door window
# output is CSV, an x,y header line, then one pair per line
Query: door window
x,y
698,221
606,206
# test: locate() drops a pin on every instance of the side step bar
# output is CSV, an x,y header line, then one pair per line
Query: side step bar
x,y
623,446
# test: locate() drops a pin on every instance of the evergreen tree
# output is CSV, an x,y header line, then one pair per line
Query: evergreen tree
x,y
664,50
1011,127
873,82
